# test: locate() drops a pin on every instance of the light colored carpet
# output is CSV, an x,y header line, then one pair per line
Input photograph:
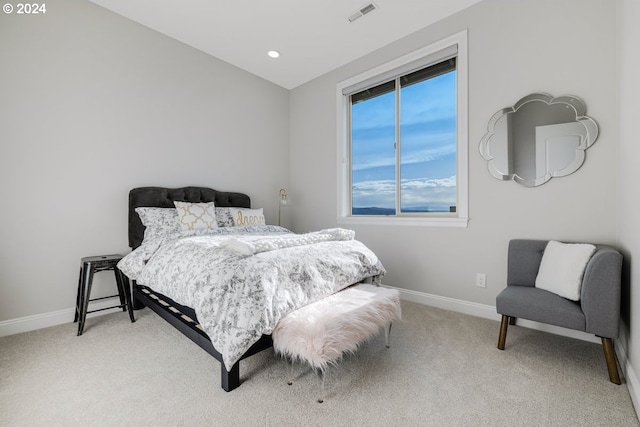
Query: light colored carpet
x,y
443,369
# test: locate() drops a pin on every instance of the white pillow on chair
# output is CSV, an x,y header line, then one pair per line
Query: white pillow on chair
x,y
562,268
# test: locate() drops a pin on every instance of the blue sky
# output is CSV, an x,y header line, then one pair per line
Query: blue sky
x,y
428,138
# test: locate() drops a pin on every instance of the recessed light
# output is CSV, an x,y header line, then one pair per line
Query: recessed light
x,y
273,53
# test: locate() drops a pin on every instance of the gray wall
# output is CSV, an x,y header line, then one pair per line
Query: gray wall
x,y
515,48
92,105
627,192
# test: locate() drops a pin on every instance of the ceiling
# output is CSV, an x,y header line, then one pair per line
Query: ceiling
x,y
312,36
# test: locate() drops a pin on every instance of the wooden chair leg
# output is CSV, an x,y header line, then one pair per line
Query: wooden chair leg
x,y
512,320
503,332
610,357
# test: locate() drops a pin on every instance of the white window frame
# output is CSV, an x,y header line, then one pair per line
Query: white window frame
x,y
461,218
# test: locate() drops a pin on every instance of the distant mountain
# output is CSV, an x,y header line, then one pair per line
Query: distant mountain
x,y
372,211
427,209
391,211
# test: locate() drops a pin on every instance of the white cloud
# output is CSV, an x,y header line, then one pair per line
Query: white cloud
x,y
439,145
418,192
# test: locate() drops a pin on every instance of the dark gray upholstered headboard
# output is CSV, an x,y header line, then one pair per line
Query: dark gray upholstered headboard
x,y
161,197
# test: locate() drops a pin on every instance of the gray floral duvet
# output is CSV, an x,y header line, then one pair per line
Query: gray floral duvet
x,y
241,280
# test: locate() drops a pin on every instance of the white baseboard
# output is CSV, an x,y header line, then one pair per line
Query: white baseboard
x,y
627,369
45,320
632,384
54,318
489,312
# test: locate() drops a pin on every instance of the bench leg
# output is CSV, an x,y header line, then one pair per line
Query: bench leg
x,y
387,335
503,332
610,357
321,377
289,363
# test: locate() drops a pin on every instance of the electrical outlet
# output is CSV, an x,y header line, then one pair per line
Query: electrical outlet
x,y
481,280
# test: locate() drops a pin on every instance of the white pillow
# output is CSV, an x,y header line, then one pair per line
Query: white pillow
x,y
196,216
562,268
243,217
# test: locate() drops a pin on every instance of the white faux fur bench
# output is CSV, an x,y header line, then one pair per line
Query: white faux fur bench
x,y
322,332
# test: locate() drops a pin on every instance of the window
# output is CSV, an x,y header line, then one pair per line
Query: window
x,y
403,140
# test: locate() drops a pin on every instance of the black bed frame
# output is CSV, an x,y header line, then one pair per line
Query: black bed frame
x,y
181,317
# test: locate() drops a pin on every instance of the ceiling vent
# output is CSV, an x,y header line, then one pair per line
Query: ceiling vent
x,y
363,11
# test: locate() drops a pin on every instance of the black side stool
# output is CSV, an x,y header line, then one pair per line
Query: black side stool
x,y
95,264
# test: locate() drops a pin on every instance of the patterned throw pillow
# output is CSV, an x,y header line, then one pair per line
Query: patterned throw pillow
x,y
196,216
243,217
158,222
224,217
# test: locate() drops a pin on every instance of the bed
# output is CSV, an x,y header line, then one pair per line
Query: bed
x,y
225,287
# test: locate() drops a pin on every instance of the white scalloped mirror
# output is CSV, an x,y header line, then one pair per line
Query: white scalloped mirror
x,y
537,139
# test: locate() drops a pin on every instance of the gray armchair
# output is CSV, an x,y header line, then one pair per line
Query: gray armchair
x,y
597,312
